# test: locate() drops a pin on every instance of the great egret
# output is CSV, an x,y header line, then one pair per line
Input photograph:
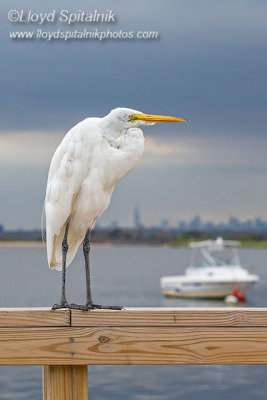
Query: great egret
x,y
92,157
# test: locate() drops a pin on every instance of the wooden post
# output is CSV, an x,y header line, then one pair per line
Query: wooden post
x,y
65,382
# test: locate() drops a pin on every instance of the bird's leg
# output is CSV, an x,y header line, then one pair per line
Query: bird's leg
x,y
65,247
86,250
89,303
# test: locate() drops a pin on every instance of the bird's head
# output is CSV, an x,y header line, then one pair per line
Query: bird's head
x,y
125,118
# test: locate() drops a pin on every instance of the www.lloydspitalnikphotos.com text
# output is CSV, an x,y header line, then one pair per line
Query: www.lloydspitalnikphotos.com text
x,y
23,18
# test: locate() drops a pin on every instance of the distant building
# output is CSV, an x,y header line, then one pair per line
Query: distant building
x,y
114,225
195,224
182,226
232,225
137,219
165,224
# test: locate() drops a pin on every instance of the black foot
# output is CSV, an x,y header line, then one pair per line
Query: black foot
x,y
88,307
64,304
100,307
70,306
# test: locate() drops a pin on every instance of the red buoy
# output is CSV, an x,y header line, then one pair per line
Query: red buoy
x,y
240,296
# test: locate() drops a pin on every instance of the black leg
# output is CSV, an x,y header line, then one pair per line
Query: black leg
x,y
65,247
89,302
86,250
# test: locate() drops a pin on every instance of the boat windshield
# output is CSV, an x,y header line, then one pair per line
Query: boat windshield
x,y
203,257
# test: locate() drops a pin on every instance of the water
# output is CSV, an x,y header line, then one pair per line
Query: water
x,y
126,276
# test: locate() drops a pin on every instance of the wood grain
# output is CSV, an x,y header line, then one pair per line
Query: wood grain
x,y
121,346
183,317
65,382
33,317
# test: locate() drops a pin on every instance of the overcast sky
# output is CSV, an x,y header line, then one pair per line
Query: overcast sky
x,y
209,65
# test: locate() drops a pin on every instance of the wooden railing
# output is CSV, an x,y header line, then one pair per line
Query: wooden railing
x,y
65,341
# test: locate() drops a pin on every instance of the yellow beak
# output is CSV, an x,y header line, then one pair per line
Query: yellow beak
x,y
155,118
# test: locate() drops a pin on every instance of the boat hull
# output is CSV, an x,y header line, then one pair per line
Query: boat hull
x,y
204,289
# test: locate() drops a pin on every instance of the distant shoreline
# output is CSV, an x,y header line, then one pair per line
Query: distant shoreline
x,y
21,243
36,243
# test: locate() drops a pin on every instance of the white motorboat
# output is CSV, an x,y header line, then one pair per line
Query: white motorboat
x,y
214,272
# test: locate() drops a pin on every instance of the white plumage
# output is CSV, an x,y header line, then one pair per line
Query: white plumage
x,y
94,155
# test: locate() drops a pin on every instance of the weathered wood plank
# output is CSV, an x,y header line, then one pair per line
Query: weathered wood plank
x,y
120,346
33,317
194,317
45,317
65,382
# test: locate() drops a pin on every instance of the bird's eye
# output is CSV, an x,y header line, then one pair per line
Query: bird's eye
x,y
133,117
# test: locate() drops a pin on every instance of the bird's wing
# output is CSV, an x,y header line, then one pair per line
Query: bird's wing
x,y
68,168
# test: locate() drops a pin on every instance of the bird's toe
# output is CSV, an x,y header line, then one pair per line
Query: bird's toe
x,y
81,307
101,307
60,305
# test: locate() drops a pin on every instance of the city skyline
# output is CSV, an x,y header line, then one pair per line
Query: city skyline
x,y
196,223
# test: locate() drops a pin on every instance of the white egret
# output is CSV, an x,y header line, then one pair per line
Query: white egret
x,y
92,157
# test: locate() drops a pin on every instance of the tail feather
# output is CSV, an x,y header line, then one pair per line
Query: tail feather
x,y
55,262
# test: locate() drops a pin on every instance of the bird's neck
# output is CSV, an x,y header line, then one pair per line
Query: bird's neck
x,y
124,151
114,137
112,130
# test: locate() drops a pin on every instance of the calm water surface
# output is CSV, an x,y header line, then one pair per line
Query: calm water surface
x,y
126,276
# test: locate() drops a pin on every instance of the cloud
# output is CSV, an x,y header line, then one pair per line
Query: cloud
x,y
210,62
37,147
28,148
175,175
235,153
